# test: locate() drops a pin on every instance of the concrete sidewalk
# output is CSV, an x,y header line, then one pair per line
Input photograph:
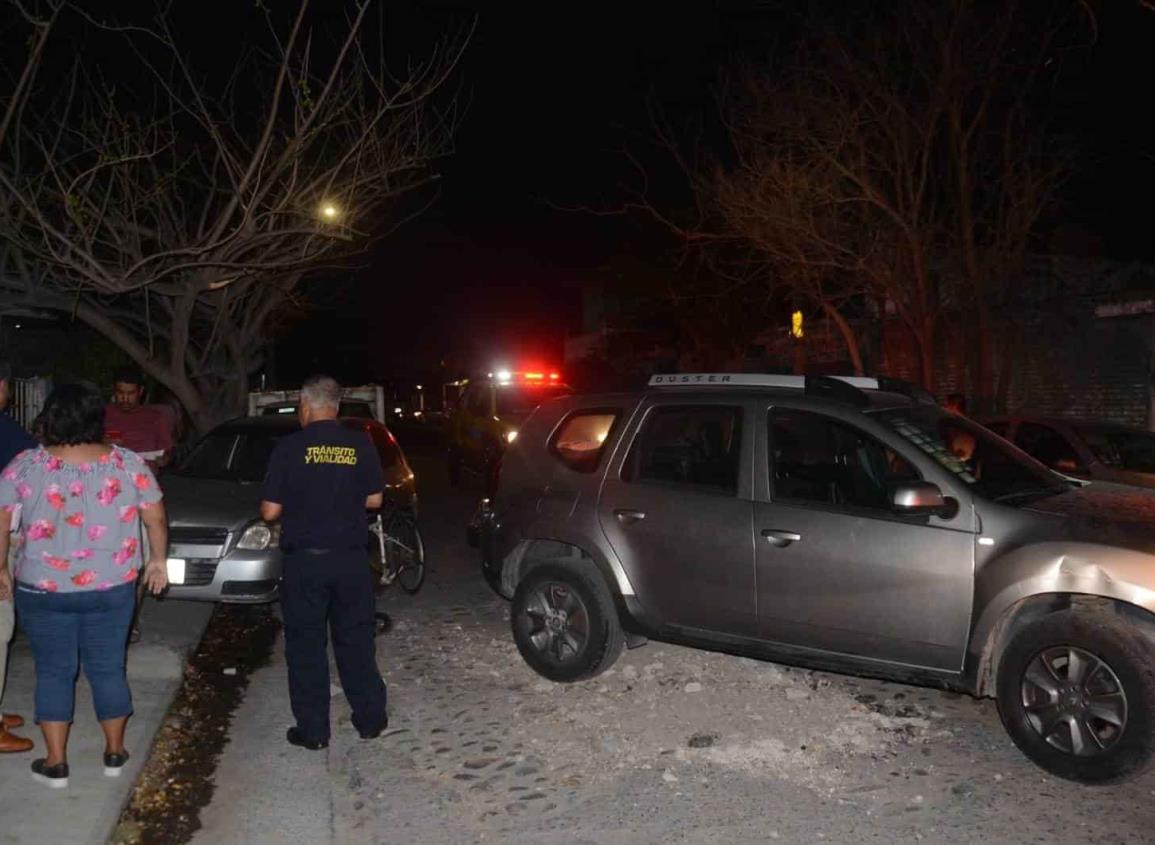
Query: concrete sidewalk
x,y
87,811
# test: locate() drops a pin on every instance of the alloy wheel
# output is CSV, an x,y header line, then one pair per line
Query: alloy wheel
x,y
1074,701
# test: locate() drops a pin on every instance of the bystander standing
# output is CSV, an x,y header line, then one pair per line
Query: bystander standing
x,y
13,441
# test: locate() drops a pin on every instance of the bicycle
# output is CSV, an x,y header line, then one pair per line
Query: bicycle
x,y
396,551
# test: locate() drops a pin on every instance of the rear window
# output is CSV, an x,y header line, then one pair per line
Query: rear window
x,y
581,439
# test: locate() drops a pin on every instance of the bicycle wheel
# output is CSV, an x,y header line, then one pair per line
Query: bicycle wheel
x,y
405,551
375,546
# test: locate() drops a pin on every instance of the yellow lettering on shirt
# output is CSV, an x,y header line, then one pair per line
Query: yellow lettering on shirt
x,y
331,455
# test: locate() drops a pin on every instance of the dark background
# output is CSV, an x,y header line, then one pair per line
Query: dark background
x,y
555,95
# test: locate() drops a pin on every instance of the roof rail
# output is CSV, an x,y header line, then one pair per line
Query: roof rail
x,y
846,389
829,387
753,380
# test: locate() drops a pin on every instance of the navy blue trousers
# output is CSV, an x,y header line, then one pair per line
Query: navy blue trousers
x,y
322,594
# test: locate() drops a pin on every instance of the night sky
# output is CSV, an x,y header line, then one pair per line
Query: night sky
x,y
553,94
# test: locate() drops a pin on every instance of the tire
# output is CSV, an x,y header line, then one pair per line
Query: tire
x,y
410,565
584,637
1097,730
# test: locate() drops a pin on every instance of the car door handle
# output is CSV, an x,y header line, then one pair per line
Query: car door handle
x,y
629,517
780,539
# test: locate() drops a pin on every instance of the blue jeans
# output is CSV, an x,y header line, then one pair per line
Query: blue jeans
x,y
70,630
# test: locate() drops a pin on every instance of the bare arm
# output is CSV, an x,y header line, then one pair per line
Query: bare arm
x,y
271,511
156,567
5,575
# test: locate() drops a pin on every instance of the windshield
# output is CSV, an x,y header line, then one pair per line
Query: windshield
x,y
231,456
1121,448
989,465
517,399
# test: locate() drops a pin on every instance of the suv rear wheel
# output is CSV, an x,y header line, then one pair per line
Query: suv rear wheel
x,y
1076,692
564,622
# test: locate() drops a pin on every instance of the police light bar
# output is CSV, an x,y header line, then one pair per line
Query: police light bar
x,y
535,377
750,380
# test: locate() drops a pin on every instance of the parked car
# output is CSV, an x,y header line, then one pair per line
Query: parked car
x,y
487,417
219,548
1103,451
844,524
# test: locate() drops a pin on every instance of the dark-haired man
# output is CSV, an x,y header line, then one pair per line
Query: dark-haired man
x,y
141,429
135,426
13,441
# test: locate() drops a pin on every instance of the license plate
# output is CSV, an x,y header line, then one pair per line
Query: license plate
x,y
176,570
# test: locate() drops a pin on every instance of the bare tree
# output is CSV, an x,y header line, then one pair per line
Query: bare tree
x,y
899,162
179,220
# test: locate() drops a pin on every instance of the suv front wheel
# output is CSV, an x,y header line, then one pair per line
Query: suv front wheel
x,y
564,622
1076,692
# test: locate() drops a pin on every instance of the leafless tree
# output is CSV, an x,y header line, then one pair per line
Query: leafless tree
x,y
900,164
178,219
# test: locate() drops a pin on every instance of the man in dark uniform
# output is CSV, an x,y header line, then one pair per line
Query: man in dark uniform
x,y
320,482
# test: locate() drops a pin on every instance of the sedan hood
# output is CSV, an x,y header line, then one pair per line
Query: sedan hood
x,y
1105,513
205,502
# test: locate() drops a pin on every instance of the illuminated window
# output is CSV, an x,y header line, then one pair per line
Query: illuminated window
x,y
796,324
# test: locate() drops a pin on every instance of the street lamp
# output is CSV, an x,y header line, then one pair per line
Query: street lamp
x,y
329,212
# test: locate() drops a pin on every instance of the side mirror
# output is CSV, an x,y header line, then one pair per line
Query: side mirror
x,y
919,498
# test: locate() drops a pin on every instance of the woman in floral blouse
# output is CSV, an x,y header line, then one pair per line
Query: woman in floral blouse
x,y
79,506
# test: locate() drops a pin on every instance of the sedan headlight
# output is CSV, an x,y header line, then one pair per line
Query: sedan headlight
x,y
511,435
260,536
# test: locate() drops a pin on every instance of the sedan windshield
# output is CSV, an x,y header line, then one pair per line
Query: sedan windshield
x,y
231,456
1121,448
989,465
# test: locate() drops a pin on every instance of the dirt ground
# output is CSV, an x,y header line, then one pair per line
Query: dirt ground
x,y
673,745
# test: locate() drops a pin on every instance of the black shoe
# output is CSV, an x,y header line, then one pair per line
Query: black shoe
x,y
114,764
374,733
295,737
55,777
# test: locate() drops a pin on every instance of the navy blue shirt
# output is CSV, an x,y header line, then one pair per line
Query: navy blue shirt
x,y
13,439
321,476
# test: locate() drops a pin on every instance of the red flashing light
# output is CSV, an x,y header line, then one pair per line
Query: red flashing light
x,y
534,376
554,377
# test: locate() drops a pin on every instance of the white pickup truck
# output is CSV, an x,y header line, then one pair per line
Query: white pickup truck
x,y
367,402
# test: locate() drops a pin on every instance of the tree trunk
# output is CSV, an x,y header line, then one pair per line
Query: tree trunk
x,y
848,336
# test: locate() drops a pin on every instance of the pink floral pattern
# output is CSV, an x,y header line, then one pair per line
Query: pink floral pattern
x,y
54,497
41,529
80,524
109,491
57,563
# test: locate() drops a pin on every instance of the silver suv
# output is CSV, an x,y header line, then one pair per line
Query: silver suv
x,y
845,524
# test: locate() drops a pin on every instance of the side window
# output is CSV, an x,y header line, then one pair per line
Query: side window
x,y
1047,446
695,445
823,461
580,440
